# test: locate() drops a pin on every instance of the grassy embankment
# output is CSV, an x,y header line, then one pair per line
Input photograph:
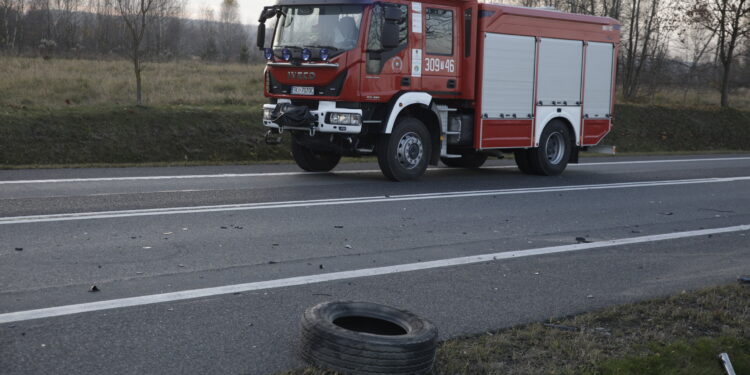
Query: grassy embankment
x,y
80,112
672,336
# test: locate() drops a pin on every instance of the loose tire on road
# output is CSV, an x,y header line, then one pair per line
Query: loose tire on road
x,y
367,338
467,160
312,161
553,153
404,154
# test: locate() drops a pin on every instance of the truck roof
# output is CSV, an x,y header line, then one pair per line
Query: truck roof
x,y
547,13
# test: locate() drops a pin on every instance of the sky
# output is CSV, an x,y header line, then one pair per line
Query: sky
x,y
249,9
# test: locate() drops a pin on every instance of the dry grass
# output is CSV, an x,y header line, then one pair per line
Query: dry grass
x,y
694,98
616,332
43,84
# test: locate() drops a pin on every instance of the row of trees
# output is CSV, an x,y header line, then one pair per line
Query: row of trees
x,y
96,28
680,43
683,44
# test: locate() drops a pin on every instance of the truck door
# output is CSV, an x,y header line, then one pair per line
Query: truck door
x,y
440,50
386,70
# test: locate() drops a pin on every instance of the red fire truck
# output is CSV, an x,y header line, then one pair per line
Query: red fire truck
x,y
446,80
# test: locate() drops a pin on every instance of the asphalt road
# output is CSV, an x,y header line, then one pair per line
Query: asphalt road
x,y
208,269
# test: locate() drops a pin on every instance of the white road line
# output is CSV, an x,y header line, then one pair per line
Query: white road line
x,y
333,276
363,171
354,200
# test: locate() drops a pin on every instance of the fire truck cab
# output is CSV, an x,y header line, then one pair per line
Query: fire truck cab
x,y
419,82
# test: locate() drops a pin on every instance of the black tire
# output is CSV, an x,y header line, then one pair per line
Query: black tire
x,y
367,338
522,161
404,154
467,160
553,153
312,161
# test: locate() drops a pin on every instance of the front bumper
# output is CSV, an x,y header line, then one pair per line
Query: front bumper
x,y
320,114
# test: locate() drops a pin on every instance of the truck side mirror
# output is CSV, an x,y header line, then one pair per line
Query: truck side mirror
x,y
261,41
393,14
391,30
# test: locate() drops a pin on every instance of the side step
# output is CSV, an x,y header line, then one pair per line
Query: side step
x,y
442,112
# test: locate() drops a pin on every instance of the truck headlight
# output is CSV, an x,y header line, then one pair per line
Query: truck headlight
x,y
345,119
267,114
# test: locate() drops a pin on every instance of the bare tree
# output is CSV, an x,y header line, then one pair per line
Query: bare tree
x,y
232,35
694,44
642,42
730,21
12,12
164,12
135,14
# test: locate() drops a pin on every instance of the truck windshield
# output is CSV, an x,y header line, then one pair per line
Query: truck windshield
x,y
335,27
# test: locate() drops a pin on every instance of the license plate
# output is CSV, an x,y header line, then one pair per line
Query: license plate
x,y
299,90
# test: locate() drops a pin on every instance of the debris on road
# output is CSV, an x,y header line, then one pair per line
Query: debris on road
x,y
167,233
582,240
348,246
590,296
94,289
180,265
666,213
338,226
744,279
320,266
272,262
147,247
19,249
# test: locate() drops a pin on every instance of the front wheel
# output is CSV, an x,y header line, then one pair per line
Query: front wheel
x,y
553,153
312,161
404,154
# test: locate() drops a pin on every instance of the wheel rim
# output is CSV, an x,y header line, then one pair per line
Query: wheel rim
x,y
555,148
410,150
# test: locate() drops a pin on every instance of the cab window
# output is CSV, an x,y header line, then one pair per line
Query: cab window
x,y
439,32
376,54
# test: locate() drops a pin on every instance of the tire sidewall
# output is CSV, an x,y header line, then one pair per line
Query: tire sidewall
x,y
543,163
388,154
418,331
312,161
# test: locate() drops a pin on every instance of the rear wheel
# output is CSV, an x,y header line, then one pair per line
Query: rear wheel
x,y
312,161
404,154
523,162
553,153
467,160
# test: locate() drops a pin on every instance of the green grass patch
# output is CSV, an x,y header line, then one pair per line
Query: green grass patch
x,y
663,129
685,357
233,133
122,135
